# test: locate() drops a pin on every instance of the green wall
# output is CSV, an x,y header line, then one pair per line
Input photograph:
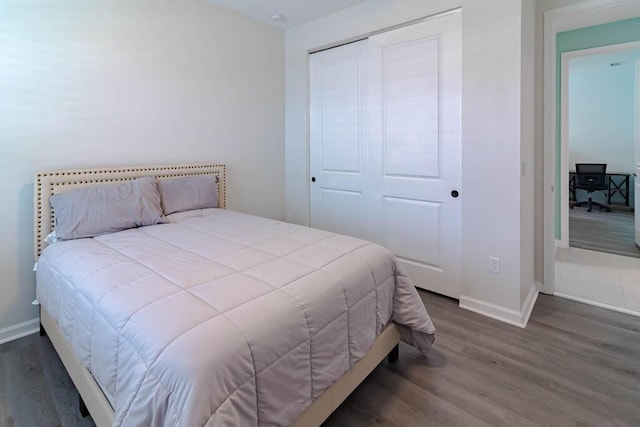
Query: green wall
x,y
585,38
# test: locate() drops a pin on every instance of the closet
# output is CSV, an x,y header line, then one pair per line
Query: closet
x,y
385,146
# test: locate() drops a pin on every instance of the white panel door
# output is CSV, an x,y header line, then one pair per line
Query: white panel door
x,y
385,146
415,85
336,161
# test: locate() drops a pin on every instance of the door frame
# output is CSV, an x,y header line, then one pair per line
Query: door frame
x,y
580,15
636,186
564,137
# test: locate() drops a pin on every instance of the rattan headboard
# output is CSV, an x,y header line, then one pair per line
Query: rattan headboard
x,y
54,182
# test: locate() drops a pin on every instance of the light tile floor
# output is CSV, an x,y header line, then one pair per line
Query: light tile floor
x,y
601,278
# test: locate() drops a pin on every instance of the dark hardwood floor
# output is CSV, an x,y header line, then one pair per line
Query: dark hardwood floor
x,y
612,232
574,364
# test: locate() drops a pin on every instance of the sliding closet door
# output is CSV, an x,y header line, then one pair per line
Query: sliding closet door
x,y
414,128
336,161
385,146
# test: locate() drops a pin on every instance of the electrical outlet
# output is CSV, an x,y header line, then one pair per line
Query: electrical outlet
x,y
494,264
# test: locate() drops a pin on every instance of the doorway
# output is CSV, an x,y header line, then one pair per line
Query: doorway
x,y
601,262
593,269
599,122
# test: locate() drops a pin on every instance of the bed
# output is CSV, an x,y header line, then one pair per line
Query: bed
x,y
215,317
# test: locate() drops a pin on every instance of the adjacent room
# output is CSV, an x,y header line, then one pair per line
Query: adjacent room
x,y
315,213
602,128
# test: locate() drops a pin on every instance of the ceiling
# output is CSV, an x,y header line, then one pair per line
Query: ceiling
x,y
294,12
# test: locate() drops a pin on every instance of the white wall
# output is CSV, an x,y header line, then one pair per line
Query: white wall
x,y
602,119
492,99
107,83
491,135
601,116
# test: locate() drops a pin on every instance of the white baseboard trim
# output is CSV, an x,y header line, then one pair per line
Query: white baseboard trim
x,y
20,330
530,302
561,244
507,315
597,304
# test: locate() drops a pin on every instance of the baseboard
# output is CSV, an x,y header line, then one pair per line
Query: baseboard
x,y
529,303
597,304
513,317
20,330
561,244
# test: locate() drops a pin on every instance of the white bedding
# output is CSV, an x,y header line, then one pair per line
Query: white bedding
x,y
223,318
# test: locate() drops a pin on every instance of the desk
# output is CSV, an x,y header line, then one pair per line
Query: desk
x,y
617,183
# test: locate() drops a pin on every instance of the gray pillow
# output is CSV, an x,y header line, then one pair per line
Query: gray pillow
x,y
188,192
106,208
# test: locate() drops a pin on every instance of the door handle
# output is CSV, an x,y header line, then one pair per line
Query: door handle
x,y
455,194
313,179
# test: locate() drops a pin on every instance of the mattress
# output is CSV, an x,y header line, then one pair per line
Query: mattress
x,y
223,318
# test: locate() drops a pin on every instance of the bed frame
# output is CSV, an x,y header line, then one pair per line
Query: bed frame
x,y
91,396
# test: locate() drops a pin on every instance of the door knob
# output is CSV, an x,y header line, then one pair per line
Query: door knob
x,y
313,179
455,194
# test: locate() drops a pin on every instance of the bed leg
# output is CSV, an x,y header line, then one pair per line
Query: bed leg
x,y
394,354
83,408
43,333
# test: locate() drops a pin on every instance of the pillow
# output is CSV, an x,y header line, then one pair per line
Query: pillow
x,y
107,208
188,192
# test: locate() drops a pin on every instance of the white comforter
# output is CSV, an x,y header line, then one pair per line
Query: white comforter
x,y
222,318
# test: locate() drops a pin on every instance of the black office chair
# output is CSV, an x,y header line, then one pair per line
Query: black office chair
x,y
591,177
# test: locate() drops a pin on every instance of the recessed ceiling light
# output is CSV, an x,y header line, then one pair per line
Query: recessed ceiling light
x,y
277,17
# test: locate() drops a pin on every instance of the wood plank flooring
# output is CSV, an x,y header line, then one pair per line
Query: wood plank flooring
x,y
612,232
35,389
574,364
